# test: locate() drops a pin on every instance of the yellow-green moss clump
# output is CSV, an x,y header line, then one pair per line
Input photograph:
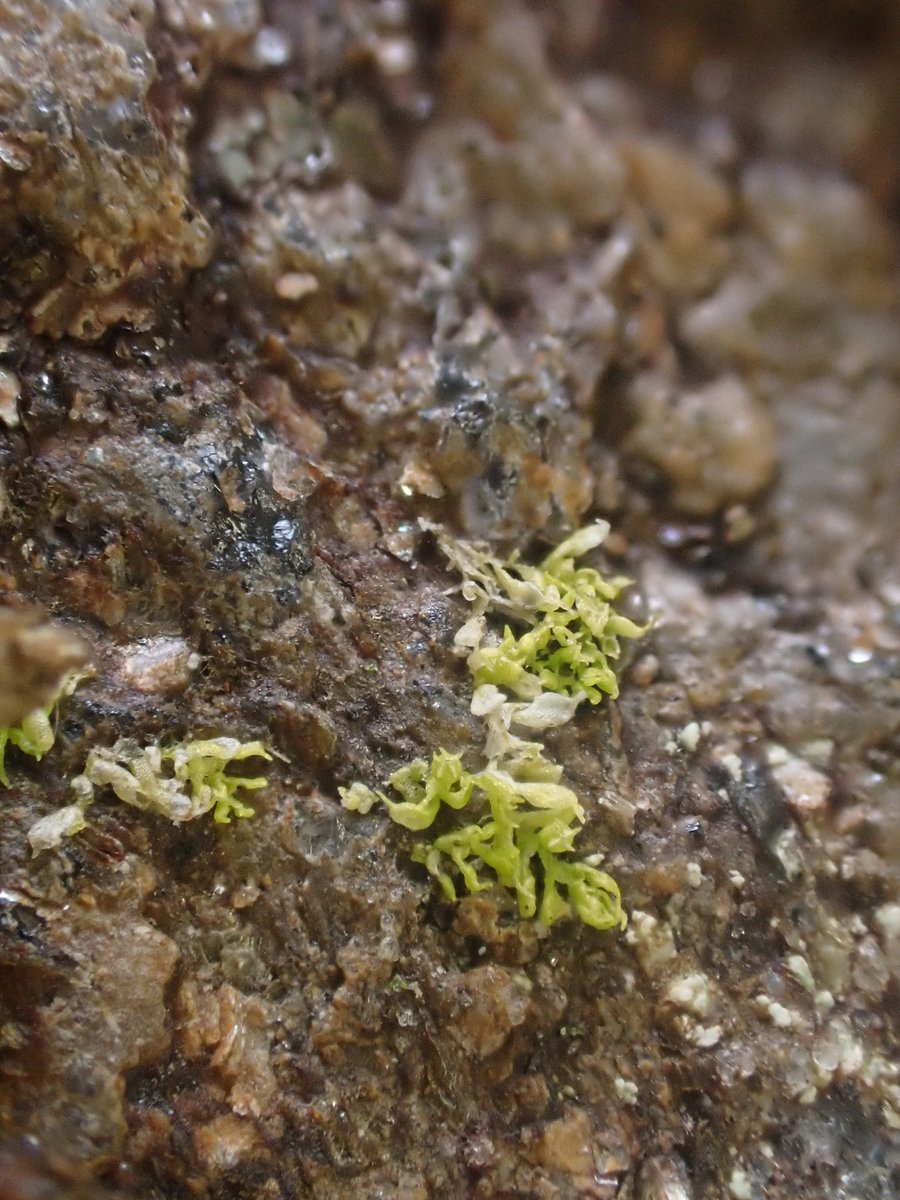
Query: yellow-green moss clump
x,y
181,783
36,734
560,654
571,631
529,817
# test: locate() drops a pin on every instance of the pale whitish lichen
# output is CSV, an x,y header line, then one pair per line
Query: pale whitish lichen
x,y
181,782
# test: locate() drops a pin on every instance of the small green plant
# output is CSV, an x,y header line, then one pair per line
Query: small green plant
x,y
528,817
527,820
181,782
36,735
572,632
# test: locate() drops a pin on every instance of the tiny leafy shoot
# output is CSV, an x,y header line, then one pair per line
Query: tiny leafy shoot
x,y
182,782
36,734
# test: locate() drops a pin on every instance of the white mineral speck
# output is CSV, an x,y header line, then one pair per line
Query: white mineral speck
x,y
887,918
689,737
778,1014
626,1090
799,968
10,390
739,1184
652,939
706,1036
781,1016
395,55
294,285
788,854
805,789
818,751
776,755
733,766
692,993
271,48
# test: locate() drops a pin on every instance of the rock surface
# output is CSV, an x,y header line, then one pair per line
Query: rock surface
x,y
502,266
97,221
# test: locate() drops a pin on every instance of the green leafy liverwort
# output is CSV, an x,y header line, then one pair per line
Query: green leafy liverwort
x,y
36,735
573,631
527,820
181,782
528,817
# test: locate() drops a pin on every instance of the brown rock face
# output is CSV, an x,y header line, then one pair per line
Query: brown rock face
x,y
284,284
97,223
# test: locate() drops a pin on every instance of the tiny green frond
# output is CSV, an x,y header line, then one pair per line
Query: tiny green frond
x,y
525,816
181,782
573,634
201,767
423,786
593,895
358,797
577,544
36,735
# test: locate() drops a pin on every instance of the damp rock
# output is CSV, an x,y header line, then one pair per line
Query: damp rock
x,y
714,446
95,198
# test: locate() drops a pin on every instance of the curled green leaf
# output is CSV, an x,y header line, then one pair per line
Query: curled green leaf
x,y
180,782
35,734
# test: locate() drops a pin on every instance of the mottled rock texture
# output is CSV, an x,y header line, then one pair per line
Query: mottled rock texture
x,y
281,279
98,224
